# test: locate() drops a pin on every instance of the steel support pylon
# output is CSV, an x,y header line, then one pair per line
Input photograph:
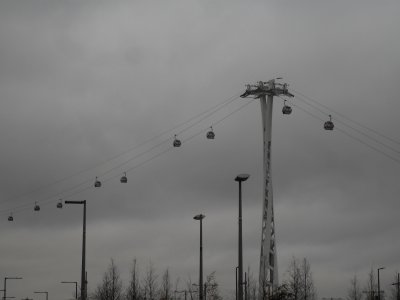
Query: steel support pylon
x,y
268,273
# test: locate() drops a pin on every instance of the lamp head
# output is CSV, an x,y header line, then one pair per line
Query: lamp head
x,y
199,217
242,177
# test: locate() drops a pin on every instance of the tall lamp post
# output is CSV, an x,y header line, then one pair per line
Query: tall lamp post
x,y
200,218
83,271
379,284
240,178
5,286
47,294
76,287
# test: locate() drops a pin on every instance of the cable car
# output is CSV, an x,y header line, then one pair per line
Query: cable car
x,y
328,125
211,134
37,207
97,183
10,218
177,143
124,179
286,109
59,204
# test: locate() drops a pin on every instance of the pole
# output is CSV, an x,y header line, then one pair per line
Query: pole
x,y
200,218
5,289
240,254
201,261
379,284
83,270
236,286
83,279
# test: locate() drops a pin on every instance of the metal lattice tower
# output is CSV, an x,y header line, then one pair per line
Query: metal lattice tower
x,y
268,274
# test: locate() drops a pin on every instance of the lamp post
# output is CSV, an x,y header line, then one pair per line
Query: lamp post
x,y
83,271
47,294
240,178
76,287
379,284
200,218
5,286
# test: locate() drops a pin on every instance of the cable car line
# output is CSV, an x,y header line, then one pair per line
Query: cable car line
x,y
352,136
344,117
77,191
214,108
355,129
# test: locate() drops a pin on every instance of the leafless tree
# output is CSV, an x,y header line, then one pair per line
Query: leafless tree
x,y
354,292
307,286
111,286
293,281
150,285
211,287
299,284
133,289
370,288
166,286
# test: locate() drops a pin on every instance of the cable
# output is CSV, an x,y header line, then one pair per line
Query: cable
x,y
343,116
212,109
77,190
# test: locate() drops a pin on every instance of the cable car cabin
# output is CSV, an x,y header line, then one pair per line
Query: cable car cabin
x,y
124,179
59,205
286,110
211,134
36,208
97,183
177,143
328,125
10,218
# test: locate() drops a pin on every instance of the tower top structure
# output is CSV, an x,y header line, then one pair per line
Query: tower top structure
x,y
266,88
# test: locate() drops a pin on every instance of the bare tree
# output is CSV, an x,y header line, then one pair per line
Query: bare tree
x,y
354,291
252,290
150,285
133,289
111,286
166,286
293,281
211,287
307,286
370,288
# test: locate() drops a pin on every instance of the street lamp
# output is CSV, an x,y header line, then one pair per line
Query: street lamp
x,y
200,218
379,284
240,178
83,271
76,287
47,294
5,286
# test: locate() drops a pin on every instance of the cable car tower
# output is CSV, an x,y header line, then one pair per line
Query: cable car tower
x,y
268,274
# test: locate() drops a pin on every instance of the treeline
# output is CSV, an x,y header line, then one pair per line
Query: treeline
x,y
369,291
150,286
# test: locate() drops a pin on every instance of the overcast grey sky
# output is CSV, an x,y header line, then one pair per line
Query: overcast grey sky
x,y
83,84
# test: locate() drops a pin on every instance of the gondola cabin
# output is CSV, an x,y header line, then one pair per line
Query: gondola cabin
x,y
10,218
37,207
286,109
59,204
124,179
328,125
176,143
211,134
97,183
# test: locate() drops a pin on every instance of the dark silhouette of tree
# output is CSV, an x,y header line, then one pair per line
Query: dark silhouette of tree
x,y
354,292
299,284
111,286
150,285
166,286
371,286
133,290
